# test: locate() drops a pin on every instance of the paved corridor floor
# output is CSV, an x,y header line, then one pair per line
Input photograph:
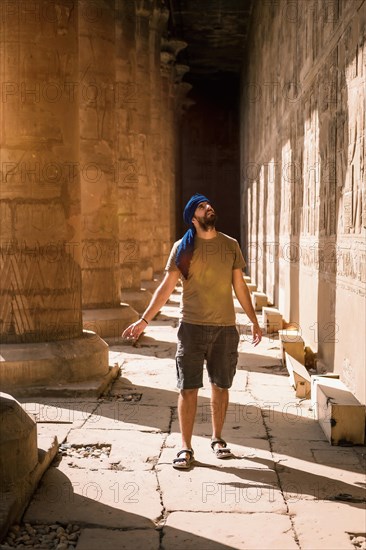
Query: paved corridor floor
x,y
112,485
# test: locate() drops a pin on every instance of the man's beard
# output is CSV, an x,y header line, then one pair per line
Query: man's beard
x,y
208,221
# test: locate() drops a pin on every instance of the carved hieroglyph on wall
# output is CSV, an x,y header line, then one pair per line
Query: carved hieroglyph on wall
x,y
311,170
352,95
41,295
270,245
286,198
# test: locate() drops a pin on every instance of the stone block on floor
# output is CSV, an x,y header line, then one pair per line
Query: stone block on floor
x,y
272,319
259,300
341,416
252,287
292,343
299,377
326,378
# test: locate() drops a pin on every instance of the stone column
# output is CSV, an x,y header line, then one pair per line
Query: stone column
x,y
102,308
182,104
170,50
43,344
159,112
147,190
126,100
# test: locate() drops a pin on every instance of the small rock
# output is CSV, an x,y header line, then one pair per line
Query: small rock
x,y
30,530
62,546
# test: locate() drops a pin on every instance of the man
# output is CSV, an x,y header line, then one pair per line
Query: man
x,y
209,264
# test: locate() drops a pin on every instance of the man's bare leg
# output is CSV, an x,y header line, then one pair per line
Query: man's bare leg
x,y
187,407
219,405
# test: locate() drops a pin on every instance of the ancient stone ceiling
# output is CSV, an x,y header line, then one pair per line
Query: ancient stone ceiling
x,y
215,31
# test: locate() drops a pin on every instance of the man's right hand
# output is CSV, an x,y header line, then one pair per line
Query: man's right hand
x,y
134,331
159,298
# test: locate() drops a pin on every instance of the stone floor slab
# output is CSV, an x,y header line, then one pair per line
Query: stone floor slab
x,y
290,421
190,531
129,451
103,499
121,415
248,452
61,411
95,539
338,457
147,372
283,396
307,481
150,395
61,431
260,378
232,485
326,525
242,421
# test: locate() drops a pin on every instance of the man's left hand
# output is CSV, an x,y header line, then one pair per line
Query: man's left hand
x,y
256,333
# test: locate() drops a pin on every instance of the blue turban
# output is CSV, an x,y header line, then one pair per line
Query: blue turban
x,y
186,247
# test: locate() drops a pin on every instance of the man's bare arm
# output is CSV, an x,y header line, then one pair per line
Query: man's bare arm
x,y
160,297
243,295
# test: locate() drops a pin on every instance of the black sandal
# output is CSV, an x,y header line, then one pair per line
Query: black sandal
x,y
184,463
221,452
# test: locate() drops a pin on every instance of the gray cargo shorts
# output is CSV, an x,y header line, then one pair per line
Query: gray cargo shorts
x,y
218,345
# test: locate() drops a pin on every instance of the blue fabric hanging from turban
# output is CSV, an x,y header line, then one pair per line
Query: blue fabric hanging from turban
x,y
186,247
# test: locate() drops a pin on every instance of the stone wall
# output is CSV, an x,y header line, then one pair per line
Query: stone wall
x,y
303,172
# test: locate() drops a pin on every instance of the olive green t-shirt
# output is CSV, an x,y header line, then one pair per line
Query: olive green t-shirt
x,y
207,297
